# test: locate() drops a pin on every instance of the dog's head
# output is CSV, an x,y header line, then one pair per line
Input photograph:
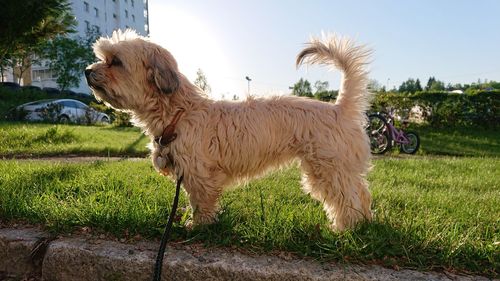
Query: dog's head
x,y
130,69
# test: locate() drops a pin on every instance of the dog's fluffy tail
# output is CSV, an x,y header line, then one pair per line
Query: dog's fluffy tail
x,y
351,59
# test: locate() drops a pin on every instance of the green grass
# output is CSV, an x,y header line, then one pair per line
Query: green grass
x,y
459,141
430,212
36,139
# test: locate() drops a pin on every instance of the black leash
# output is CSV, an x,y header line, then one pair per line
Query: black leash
x,y
166,233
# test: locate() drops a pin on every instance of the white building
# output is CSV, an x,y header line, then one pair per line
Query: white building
x,y
106,16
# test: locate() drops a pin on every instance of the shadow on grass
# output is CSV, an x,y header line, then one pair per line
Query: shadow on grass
x,y
459,141
131,148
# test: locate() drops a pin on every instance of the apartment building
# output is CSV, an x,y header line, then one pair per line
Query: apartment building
x,y
105,16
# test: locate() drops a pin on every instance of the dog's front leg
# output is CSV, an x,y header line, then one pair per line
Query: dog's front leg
x,y
204,199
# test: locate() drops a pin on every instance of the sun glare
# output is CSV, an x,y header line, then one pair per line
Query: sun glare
x,y
195,46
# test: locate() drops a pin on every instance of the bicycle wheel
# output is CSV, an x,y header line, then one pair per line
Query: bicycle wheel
x,y
412,147
380,140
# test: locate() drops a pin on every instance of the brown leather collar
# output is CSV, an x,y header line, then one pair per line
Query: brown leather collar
x,y
169,134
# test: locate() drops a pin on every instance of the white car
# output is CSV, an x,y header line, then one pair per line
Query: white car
x,y
63,111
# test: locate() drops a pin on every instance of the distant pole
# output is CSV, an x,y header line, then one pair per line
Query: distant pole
x,y
387,86
248,79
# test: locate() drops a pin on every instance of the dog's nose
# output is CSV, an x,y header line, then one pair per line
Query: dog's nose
x,y
87,72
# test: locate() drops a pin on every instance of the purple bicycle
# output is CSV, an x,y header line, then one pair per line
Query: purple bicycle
x,y
383,135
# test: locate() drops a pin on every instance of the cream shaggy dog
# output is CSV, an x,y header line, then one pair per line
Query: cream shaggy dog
x,y
215,143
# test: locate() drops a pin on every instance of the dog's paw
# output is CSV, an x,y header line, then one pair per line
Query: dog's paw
x,y
205,219
189,225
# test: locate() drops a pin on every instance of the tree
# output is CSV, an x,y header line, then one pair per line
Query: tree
x,y
322,93
23,58
494,85
434,85
41,20
68,57
374,86
201,81
418,87
437,86
321,86
326,95
302,89
410,86
429,83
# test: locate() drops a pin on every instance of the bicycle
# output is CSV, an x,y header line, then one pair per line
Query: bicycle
x,y
383,135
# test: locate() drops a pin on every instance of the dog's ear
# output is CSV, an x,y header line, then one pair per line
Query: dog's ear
x,y
162,72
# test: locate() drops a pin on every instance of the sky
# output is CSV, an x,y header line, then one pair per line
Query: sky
x,y
456,41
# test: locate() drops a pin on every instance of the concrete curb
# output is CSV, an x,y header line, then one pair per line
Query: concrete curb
x,y
81,258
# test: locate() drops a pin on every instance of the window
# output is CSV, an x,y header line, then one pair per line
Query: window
x,y
80,105
132,2
126,14
42,75
86,6
87,25
97,29
114,16
133,18
96,12
67,103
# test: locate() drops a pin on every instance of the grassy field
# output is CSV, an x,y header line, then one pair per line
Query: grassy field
x,y
435,210
459,141
35,139
430,212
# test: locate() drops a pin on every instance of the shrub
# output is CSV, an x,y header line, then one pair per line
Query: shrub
x,y
122,119
118,118
51,112
57,135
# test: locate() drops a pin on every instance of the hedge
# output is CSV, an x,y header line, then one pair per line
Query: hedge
x,y
444,109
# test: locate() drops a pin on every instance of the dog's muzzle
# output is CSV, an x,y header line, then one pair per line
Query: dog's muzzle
x,y
88,71
88,76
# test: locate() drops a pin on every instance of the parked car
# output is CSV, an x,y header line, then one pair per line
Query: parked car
x,y
61,110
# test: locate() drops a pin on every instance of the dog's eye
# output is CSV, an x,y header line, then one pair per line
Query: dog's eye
x,y
115,62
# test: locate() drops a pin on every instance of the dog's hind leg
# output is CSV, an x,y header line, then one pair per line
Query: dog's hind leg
x,y
344,194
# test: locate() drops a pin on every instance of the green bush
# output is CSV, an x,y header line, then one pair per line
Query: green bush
x,y
445,109
121,119
51,112
118,118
